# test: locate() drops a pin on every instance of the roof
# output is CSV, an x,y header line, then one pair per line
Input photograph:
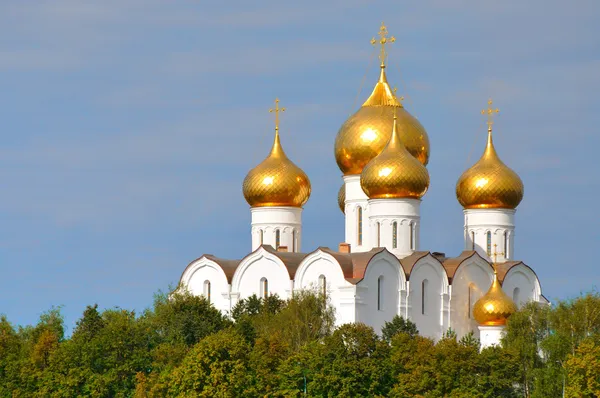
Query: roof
x,y
228,266
289,259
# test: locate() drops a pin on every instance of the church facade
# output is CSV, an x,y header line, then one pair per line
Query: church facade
x,y
380,270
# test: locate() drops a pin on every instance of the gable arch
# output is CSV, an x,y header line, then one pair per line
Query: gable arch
x,y
201,270
521,277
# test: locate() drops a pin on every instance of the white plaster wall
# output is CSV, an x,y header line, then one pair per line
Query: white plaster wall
x,y
490,336
388,267
202,270
522,278
497,221
432,322
258,265
339,291
356,197
406,213
288,220
477,273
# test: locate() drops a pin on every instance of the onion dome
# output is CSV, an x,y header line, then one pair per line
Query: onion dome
x,y
342,198
394,173
489,183
495,307
276,181
364,134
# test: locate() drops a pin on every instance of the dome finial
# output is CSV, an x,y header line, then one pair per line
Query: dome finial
x,y
490,112
383,40
277,149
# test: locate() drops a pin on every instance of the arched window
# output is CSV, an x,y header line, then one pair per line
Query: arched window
x,y
394,235
260,236
506,244
207,290
293,240
471,299
412,236
489,243
360,225
323,285
424,298
277,238
264,288
380,293
516,294
472,240
378,234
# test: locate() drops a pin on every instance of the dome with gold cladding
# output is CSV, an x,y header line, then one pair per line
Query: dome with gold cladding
x,y
276,181
489,183
495,307
394,173
364,134
342,198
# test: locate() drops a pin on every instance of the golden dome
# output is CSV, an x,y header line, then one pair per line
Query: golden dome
x,y
342,198
495,307
394,173
276,181
489,183
364,135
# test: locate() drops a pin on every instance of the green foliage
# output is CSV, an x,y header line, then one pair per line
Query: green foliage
x,y
183,346
398,325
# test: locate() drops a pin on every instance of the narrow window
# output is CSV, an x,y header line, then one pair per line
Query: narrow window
x,y
207,290
294,240
277,238
506,244
424,296
412,236
516,294
260,235
380,293
471,292
360,226
394,235
323,285
378,234
264,288
473,240
489,243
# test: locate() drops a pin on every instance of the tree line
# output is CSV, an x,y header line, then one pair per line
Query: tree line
x,y
184,347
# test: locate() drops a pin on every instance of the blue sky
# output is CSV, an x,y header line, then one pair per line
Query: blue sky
x,y
128,127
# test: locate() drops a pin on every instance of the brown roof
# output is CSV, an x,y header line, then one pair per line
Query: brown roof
x,y
409,262
228,266
503,268
289,259
451,264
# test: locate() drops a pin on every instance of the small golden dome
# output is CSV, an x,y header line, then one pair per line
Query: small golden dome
x,y
489,183
342,198
364,135
276,181
495,307
394,173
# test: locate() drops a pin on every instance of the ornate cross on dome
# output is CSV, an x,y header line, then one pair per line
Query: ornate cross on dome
x,y
490,112
398,100
276,110
383,39
495,254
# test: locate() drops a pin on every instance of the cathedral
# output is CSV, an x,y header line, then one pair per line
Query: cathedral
x,y
380,270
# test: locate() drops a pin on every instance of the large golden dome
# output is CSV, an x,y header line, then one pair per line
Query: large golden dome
x,y
495,307
342,198
364,135
489,183
394,173
276,181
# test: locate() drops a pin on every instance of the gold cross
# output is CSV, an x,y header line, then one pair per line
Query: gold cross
x,y
398,100
490,112
495,254
383,39
277,109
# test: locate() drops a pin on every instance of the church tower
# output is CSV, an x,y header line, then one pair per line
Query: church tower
x,y
490,192
276,190
363,136
395,181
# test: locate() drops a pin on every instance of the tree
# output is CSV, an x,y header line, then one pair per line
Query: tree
x,y
583,370
398,325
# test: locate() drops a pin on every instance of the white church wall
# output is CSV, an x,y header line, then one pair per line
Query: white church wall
x,y
356,209
499,224
394,224
254,269
277,226
378,293
318,268
472,280
202,272
522,285
428,293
